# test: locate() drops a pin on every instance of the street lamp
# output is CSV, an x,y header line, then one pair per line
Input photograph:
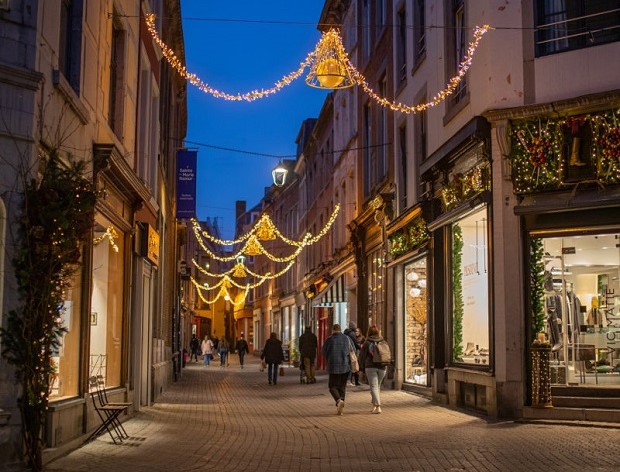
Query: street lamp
x,y
279,175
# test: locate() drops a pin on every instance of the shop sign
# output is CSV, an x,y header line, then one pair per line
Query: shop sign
x,y
152,245
186,183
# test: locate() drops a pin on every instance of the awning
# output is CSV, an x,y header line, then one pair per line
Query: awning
x,y
333,293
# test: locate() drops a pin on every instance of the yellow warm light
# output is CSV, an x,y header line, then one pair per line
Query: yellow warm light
x,y
112,236
330,67
329,73
254,248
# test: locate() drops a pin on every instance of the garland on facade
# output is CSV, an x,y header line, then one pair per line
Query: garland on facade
x,y
57,217
463,187
409,237
457,290
537,158
537,286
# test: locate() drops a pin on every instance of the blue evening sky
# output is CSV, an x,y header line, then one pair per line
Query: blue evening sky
x,y
272,39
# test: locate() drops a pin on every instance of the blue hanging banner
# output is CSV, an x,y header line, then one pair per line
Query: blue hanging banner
x,y
186,183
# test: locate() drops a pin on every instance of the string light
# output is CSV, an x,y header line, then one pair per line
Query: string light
x,y
330,67
267,276
176,63
112,236
253,247
223,293
453,83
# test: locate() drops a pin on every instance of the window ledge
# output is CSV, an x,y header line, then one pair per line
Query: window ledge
x,y
453,110
70,96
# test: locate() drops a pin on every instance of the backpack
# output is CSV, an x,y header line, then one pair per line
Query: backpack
x,y
381,353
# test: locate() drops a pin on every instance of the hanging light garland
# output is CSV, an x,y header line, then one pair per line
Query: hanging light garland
x,y
193,79
112,236
330,68
453,83
267,276
223,293
253,247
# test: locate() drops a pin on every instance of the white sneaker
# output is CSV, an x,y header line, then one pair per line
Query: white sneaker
x,y
340,407
376,410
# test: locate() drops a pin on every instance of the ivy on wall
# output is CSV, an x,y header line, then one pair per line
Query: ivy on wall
x,y
457,293
541,151
537,286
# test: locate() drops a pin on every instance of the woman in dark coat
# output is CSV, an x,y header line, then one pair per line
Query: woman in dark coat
x,y
273,356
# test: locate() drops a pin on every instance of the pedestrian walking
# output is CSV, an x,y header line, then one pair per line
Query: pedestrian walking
x,y
207,350
375,371
242,349
273,355
194,348
307,350
336,351
357,338
223,348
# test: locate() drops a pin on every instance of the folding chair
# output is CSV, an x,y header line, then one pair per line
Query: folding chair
x,y
107,413
104,401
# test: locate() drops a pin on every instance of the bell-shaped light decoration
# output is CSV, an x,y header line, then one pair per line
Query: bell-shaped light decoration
x,y
279,175
329,69
239,270
264,229
253,247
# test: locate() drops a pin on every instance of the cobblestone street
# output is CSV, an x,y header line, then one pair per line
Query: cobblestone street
x,y
230,419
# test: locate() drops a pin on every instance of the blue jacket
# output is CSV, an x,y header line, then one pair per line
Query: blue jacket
x,y
336,351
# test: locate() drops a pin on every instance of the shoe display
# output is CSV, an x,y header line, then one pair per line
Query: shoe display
x,y
340,407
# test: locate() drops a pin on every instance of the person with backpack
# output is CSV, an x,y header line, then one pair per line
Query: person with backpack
x,y
374,358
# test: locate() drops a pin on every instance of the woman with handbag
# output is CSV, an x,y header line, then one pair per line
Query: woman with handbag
x,y
207,351
273,355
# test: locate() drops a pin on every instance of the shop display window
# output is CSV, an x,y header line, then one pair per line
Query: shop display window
x,y
416,323
65,357
106,317
470,289
581,307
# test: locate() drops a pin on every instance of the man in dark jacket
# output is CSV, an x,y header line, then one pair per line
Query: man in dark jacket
x,y
307,350
242,349
336,351
273,356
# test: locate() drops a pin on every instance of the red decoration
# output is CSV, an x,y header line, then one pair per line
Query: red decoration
x,y
539,150
610,144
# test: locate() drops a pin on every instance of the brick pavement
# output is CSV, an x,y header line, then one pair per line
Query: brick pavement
x,y
230,419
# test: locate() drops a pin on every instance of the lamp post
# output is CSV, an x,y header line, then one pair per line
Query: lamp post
x,y
279,175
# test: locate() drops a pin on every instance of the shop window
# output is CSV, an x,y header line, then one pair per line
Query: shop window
x,y
106,317
66,356
416,323
470,289
580,307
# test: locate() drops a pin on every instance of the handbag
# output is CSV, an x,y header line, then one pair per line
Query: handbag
x,y
281,371
355,366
